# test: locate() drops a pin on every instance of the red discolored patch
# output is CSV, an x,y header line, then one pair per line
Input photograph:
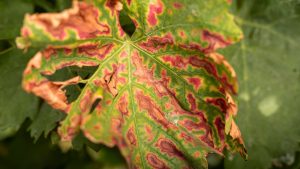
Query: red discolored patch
x,y
116,126
67,51
202,63
114,5
129,2
192,101
49,52
231,86
196,126
220,127
219,102
124,54
72,129
149,132
145,103
168,147
197,154
186,137
156,43
155,162
196,82
182,34
94,50
97,127
215,40
191,125
75,121
154,10
165,79
97,82
131,136
177,5
123,105
111,3
196,46
25,32
175,61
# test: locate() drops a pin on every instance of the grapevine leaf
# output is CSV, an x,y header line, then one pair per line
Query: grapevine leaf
x,y
19,105
45,121
11,65
11,16
267,62
163,96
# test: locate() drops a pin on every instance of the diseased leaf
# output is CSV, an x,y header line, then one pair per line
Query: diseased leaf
x,y
163,96
267,63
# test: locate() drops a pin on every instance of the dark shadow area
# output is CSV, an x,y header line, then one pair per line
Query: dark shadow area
x,y
126,23
20,152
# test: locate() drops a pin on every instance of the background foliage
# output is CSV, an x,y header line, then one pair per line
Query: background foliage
x,y
266,61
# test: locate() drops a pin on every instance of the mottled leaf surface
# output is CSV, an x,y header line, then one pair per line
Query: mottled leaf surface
x,y
163,96
267,63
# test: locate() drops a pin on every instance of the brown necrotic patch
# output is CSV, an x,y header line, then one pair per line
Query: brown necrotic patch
x,y
155,162
147,104
128,2
168,147
156,43
215,40
131,136
221,103
146,76
49,53
192,101
186,137
95,50
123,105
114,6
195,82
72,128
86,101
177,5
116,126
175,61
220,126
195,127
149,132
82,18
203,63
50,92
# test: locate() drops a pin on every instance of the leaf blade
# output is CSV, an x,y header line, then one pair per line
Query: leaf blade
x,y
143,108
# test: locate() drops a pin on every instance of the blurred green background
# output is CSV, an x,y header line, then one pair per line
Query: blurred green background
x,y
267,63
